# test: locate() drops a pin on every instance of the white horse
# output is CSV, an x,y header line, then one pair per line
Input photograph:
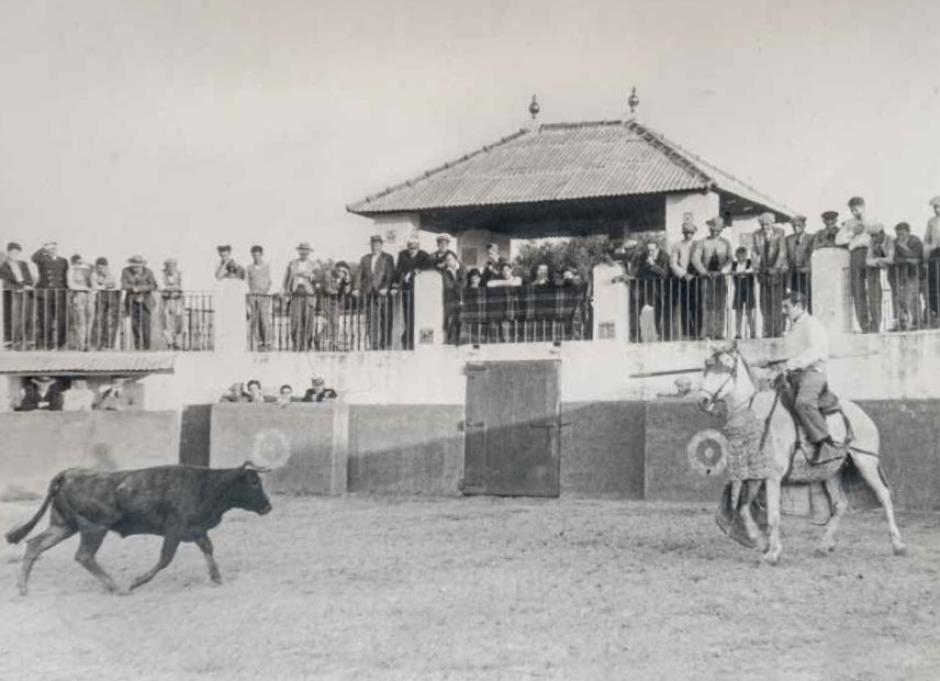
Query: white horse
x,y
727,379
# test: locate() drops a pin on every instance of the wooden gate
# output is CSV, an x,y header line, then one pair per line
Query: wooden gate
x,y
512,440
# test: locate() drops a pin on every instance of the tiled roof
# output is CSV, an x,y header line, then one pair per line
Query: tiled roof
x,y
559,162
52,362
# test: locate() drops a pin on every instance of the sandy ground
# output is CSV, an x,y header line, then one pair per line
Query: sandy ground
x,y
362,588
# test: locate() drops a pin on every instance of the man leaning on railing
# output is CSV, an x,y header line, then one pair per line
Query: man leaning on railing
x,y
17,299
138,283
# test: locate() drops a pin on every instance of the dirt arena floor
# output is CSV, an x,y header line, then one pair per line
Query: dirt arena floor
x,y
379,588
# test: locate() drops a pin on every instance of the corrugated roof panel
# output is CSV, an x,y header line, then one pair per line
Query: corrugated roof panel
x,y
52,362
563,162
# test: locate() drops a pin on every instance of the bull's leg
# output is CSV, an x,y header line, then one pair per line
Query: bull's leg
x,y
839,506
868,467
85,556
773,521
750,489
35,546
167,551
205,544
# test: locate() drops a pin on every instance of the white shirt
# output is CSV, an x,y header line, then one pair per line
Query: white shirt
x,y
807,343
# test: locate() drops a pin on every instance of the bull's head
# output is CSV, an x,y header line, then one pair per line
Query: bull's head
x,y
246,491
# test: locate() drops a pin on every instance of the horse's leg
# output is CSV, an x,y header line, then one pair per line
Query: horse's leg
x,y
772,555
750,490
867,465
839,506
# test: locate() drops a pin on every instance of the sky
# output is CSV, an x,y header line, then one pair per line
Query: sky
x,y
167,127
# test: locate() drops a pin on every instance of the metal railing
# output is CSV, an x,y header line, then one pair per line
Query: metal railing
x,y
102,320
904,296
330,322
719,306
518,314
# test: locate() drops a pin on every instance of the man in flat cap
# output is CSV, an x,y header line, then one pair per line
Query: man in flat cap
x,y
826,237
932,256
258,276
138,283
855,234
51,299
17,297
711,258
904,278
800,247
411,260
374,278
769,260
879,259
227,267
439,257
302,282
684,285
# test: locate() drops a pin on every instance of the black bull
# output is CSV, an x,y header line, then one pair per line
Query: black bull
x,y
178,503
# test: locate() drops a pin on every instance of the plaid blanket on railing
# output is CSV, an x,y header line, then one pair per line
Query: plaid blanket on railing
x,y
522,303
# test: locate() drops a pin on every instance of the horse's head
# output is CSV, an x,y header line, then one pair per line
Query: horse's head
x,y
720,376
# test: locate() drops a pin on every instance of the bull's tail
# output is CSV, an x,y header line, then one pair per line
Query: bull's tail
x,y
18,534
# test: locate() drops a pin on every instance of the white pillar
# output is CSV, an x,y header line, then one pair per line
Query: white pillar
x,y
702,205
429,310
611,304
832,303
231,323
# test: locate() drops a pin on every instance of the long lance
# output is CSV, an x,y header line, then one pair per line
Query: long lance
x,y
759,365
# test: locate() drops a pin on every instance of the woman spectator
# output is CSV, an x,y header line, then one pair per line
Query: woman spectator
x,y
474,279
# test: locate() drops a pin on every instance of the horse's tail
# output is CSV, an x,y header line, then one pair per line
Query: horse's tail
x,y
17,534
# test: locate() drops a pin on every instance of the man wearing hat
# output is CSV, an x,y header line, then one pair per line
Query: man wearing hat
x,y
318,392
411,260
302,282
800,247
769,260
228,268
711,258
107,306
258,275
17,286
684,285
855,233
51,298
138,283
374,278
490,269
904,277
880,257
826,237
439,257
173,307
932,256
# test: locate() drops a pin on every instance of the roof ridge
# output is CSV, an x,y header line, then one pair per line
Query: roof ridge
x,y
675,152
434,171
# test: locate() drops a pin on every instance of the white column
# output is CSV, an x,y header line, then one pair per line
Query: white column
x,y
832,303
611,304
231,322
702,205
429,310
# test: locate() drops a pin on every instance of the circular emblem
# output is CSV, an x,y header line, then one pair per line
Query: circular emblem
x,y
271,449
708,452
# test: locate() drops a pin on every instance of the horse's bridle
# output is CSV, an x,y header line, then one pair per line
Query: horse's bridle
x,y
713,398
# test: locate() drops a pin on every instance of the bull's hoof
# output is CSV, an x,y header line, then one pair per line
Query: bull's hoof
x,y
216,580
900,549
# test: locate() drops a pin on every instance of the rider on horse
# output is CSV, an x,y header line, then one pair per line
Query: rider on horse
x,y
807,345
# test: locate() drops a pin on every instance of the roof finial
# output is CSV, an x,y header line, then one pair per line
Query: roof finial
x,y
534,107
633,102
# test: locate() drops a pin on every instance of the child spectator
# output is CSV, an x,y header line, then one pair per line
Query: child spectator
x,y
743,275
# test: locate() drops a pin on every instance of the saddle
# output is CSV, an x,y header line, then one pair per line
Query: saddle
x,y
805,466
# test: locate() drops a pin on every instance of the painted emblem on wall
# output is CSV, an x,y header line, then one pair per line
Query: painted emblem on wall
x,y
426,336
270,449
708,452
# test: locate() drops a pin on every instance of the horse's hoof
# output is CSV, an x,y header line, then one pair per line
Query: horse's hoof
x,y
771,559
900,550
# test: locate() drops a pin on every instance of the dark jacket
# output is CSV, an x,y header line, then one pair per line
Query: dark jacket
x,y
659,269
138,286
383,277
314,395
53,270
408,265
9,281
51,401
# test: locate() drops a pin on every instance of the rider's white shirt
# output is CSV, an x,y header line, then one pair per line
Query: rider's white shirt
x,y
807,344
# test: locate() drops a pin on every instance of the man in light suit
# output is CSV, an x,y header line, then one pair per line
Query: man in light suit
x,y
769,260
373,280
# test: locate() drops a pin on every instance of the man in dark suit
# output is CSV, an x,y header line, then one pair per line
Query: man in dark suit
x,y
51,299
138,282
410,261
769,260
373,280
17,296
799,252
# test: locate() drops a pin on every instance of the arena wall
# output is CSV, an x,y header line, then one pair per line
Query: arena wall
x,y
34,446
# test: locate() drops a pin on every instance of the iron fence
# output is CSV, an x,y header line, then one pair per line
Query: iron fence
x,y
903,296
518,314
347,322
61,319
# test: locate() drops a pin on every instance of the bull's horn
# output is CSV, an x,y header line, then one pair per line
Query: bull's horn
x,y
252,466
